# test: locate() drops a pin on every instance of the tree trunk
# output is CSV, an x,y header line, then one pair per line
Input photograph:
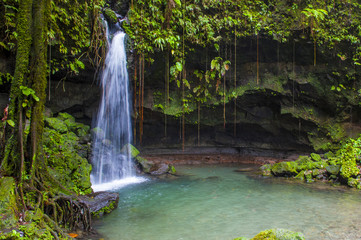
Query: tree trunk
x,y
257,59
235,84
38,79
10,164
166,95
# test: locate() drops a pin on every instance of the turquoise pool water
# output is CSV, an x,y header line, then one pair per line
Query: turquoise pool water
x,y
217,203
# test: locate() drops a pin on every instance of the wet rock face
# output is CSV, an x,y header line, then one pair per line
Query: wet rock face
x,y
120,6
79,99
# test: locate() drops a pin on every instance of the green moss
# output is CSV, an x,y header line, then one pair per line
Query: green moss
x,y
8,206
172,169
333,169
62,151
308,175
66,116
315,157
105,210
300,176
266,170
56,124
110,16
278,234
284,169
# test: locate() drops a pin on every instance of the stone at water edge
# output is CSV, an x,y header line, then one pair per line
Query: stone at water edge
x,y
276,234
284,169
143,164
101,203
333,169
159,169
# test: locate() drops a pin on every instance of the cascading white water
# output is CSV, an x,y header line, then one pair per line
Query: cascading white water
x,y
113,126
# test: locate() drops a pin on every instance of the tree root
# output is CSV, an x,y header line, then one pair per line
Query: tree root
x,y
73,213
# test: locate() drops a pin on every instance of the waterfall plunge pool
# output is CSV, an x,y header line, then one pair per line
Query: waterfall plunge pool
x,y
215,202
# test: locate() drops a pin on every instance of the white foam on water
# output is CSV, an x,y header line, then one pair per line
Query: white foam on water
x,y
117,184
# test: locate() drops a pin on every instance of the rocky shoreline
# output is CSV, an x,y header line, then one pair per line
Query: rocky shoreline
x,y
198,159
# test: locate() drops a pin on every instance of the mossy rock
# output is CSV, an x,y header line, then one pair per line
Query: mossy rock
x,y
101,203
354,182
307,163
278,234
315,157
129,148
143,164
284,169
64,162
333,169
66,116
56,124
98,133
7,203
266,170
172,169
300,176
110,16
308,176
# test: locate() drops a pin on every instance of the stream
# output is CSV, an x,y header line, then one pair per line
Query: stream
x,y
217,203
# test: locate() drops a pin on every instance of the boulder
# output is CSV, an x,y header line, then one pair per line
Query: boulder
x,y
308,175
56,124
315,157
286,169
300,175
266,170
129,148
110,16
101,203
333,169
8,207
143,164
159,169
278,234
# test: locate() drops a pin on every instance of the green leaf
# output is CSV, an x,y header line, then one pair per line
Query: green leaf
x,y
216,46
179,66
11,123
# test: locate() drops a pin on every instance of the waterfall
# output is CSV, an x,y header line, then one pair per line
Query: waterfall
x,y
111,160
